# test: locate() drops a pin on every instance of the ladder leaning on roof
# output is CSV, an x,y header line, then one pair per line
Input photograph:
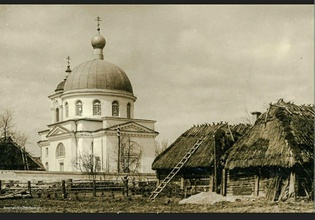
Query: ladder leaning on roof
x,y
175,170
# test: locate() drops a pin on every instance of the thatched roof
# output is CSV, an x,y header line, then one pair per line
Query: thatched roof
x,y
203,156
11,157
282,136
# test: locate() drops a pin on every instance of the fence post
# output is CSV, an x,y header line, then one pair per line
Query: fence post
x,y
94,188
63,185
70,184
127,189
29,187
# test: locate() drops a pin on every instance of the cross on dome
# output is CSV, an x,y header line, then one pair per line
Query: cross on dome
x,y
68,60
68,67
98,19
98,42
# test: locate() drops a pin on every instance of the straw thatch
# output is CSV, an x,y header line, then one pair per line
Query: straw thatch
x,y
14,157
204,155
283,136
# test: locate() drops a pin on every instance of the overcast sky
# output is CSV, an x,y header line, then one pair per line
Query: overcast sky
x,y
188,64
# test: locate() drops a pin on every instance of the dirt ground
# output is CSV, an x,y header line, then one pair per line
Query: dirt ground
x,y
137,204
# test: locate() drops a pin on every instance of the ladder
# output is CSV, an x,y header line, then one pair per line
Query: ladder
x,y
175,170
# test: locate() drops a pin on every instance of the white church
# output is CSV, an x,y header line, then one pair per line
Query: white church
x,y
92,113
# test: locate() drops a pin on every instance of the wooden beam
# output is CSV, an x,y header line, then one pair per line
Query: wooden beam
x,y
292,184
182,182
256,190
211,188
223,185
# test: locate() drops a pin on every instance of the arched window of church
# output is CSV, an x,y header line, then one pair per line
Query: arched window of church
x,y
96,107
78,108
57,114
67,109
46,166
60,151
128,110
115,108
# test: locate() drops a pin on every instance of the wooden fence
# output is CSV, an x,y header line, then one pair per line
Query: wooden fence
x,y
64,188
113,187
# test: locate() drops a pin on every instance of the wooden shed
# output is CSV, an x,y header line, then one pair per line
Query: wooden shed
x,y
203,164
275,158
15,157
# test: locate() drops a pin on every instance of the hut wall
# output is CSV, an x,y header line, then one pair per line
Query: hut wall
x,y
198,183
264,185
240,183
269,183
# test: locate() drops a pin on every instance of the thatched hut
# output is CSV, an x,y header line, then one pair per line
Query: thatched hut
x,y
15,157
201,165
275,158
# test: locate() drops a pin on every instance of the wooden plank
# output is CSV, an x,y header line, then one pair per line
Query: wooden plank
x,y
238,191
256,189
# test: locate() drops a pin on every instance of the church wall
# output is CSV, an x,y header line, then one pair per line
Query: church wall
x,y
56,103
54,161
43,135
85,144
99,151
44,156
73,154
106,105
111,153
89,125
148,152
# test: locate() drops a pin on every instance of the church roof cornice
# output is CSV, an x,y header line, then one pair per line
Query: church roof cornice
x,y
75,120
87,92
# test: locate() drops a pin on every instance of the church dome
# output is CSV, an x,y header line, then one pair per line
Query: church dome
x,y
60,86
98,74
98,41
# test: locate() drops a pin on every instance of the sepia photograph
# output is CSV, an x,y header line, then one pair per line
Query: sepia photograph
x,y
126,108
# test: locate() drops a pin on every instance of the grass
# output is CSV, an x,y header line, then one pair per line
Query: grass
x,y
85,203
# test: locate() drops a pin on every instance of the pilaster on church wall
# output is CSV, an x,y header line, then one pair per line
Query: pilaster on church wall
x,y
73,153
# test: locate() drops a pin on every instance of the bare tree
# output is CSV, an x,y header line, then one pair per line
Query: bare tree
x,y
159,148
247,117
20,138
6,123
90,164
7,129
130,154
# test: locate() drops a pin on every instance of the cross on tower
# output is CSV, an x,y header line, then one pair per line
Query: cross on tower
x,y
98,19
68,60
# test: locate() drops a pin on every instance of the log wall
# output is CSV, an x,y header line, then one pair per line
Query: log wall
x,y
240,184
